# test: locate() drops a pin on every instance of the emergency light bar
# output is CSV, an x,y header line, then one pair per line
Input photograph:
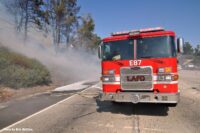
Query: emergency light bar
x,y
132,32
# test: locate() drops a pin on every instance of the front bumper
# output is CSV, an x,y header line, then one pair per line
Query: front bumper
x,y
141,97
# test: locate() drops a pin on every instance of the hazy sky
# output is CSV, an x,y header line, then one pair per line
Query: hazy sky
x,y
181,16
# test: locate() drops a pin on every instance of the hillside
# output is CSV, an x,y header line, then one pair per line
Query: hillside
x,y
17,71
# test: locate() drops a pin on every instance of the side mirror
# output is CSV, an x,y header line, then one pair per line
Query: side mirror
x,y
100,50
180,43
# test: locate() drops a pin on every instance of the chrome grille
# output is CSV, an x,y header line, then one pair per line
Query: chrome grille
x,y
136,78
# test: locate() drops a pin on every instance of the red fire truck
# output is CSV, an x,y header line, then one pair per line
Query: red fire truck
x,y
140,66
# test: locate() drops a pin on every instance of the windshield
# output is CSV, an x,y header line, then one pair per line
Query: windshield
x,y
154,47
118,50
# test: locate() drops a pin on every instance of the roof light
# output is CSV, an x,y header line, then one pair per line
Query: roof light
x,y
152,29
133,32
120,33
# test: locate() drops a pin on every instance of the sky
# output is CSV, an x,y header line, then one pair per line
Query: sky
x,y
181,16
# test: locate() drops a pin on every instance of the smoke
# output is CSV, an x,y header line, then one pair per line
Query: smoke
x,y
69,66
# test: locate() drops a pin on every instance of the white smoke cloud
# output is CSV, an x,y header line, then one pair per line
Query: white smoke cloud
x,y
69,66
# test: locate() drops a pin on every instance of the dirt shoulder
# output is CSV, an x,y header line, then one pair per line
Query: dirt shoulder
x,y
189,84
7,93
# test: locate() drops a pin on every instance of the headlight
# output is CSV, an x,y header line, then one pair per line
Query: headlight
x,y
167,77
160,77
164,78
110,79
105,79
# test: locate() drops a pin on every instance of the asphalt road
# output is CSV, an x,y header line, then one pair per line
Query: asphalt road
x,y
16,110
82,112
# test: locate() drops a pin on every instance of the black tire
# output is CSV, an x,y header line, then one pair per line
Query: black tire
x,y
115,103
171,104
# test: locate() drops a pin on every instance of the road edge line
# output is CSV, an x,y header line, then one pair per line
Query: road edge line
x,y
36,113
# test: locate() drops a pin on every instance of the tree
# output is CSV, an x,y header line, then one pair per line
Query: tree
x,y
197,50
86,35
59,17
187,47
28,13
63,18
96,41
71,19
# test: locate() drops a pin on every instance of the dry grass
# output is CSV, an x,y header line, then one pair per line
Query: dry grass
x,y
5,93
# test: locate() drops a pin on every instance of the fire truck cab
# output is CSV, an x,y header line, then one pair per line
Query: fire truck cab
x,y
140,66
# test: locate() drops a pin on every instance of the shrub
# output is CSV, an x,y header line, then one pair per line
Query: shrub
x,y
18,71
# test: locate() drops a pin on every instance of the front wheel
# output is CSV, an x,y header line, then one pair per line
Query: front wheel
x,y
116,103
171,104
